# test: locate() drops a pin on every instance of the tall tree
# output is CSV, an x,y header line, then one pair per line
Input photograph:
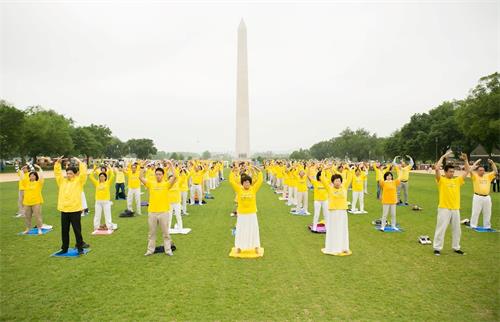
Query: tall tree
x,y
46,133
478,116
11,130
142,148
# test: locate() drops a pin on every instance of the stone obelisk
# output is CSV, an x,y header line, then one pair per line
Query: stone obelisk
x,y
242,114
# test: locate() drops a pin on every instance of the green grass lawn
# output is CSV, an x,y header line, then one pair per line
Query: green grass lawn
x,y
389,276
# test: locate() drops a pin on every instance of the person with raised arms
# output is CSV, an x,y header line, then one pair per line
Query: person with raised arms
x,y
337,226
23,174
247,227
134,187
403,171
320,196
102,186
358,181
389,187
481,201
69,202
33,200
159,211
449,203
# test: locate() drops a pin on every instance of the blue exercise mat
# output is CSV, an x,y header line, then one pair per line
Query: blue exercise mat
x,y
34,232
72,253
389,229
480,229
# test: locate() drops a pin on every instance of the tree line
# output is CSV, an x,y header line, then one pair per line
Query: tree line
x,y
36,131
458,124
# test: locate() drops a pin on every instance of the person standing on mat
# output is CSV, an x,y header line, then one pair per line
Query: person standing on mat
x,y
320,195
23,177
119,183
403,171
481,201
134,188
159,208
32,199
102,197
69,202
449,203
337,225
247,235
389,199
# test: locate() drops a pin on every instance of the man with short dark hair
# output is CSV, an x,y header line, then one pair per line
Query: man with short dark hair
x,y
449,204
481,201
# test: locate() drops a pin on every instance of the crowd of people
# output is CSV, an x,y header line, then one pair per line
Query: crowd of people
x,y
168,183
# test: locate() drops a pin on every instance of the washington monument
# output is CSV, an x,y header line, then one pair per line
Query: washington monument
x,y
242,114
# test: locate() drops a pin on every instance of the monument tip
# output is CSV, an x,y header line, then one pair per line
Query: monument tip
x,y
242,24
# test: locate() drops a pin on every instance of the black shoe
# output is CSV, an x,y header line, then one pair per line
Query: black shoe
x,y
84,245
437,252
459,252
62,252
81,252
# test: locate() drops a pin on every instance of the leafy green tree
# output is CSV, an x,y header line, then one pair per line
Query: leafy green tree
x,y
301,154
115,148
322,150
11,130
478,116
46,133
85,142
206,155
142,148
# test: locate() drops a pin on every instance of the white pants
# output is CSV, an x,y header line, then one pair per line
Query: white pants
x,y
337,232
184,195
20,206
196,189
358,195
84,201
103,206
481,204
279,182
292,196
212,183
318,206
175,209
284,192
365,187
385,209
302,200
134,194
247,232
207,185
444,217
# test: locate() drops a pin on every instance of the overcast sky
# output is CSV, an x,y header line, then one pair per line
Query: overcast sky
x,y
167,71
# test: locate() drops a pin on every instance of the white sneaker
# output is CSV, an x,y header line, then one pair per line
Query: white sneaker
x,y
20,215
148,253
169,253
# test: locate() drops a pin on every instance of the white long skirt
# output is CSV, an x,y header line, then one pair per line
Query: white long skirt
x,y
247,232
337,232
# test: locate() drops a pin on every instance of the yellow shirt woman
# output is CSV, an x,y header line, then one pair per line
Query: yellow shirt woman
x,y
247,200
33,192
102,188
389,192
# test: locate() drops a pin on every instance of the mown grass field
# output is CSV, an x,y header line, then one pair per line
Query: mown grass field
x,y
389,276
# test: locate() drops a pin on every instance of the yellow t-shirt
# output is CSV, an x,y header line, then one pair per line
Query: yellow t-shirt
x,y
174,193
133,179
33,193
120,177
183,181
102,188
158,196
358,182
23,179
482,184
404,173
390,191
337,197
197,177
70,191
449,192
301,183
247,198
320,193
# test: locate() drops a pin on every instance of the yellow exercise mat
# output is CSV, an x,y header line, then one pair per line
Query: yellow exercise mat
x,y
336,254
247,253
